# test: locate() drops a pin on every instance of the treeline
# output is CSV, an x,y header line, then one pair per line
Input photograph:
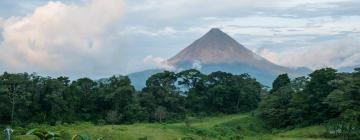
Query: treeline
x,y
325,96
168,96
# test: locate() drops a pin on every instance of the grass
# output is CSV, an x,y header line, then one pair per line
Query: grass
x,y
242,126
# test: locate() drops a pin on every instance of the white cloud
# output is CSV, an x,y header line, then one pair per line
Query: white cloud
x,y
159,62
1,22
166,31
336,54
161,9
64,36
284,27
58,37
197,65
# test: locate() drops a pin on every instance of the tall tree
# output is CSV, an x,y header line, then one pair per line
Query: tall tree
x,y
281,81
84,94
14,86
162,86
318,88
274,107
189,79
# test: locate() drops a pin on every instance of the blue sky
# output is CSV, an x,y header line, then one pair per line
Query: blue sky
x,y
98,38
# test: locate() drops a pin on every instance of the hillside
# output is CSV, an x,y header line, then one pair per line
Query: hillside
x,y
211,128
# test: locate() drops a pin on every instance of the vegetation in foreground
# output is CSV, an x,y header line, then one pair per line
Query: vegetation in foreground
x,y
325,97
227,127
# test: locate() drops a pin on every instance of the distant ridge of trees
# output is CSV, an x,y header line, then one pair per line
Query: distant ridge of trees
x,y
325,96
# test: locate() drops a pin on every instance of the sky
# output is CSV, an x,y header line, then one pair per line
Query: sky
x,y
99,38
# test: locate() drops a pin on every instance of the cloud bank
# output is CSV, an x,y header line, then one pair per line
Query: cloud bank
x,y
57,37
336,54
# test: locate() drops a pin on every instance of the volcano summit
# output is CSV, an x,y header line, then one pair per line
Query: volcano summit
x,y
217,51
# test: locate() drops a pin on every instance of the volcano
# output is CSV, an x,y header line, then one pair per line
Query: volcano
x,y
217,51
216,47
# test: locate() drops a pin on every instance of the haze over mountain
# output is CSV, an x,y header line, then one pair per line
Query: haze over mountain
x,y
217,51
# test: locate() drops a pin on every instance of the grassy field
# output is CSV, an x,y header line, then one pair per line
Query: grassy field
x,y
229,127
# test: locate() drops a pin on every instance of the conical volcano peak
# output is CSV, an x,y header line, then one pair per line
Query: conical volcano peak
x,y
216,47
213,48
215,34
217,51
215,30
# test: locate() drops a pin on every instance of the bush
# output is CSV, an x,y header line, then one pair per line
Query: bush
x,y
101,122
340,128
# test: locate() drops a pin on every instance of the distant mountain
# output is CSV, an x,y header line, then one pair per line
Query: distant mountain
x,y
216,47
138,79
217,51
348,68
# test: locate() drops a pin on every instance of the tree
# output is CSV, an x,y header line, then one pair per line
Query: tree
x,y
190,78
246,92
299,84
315,93
54,104
135,113
14,86
165,80
84,96
218,91
193,84
281,81
162,87
274,108
160,113
148,103
120,94
345,99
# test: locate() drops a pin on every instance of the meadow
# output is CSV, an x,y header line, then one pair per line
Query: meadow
x,y
223,127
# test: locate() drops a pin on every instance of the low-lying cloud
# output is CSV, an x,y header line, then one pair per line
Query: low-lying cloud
x,y
159,62
336,54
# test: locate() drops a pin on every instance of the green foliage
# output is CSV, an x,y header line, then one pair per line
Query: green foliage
x,y
168,96
221,92
172,97
82,136
188,121
222,127
44,134
186,138
325,95
344,99
281,81
274,108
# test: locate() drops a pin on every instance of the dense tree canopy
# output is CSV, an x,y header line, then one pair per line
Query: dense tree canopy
x,y
324,96
168,96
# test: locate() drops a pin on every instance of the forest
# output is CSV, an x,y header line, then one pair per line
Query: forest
x,y
323,97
